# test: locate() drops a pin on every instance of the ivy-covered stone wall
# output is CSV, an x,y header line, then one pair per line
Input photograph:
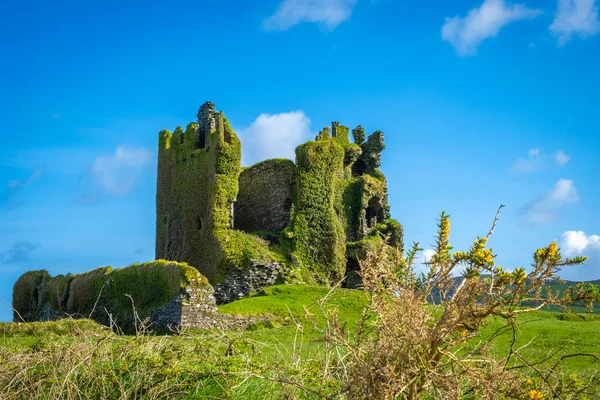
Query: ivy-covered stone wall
x,y
265,196
317,232
341,199
197,185
110,296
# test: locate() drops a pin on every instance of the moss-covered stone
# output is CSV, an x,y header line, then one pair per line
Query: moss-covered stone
x,y
358,134
151,285
392,232
84,292
265,196
55,291
317,232
198,172
27,294
103,291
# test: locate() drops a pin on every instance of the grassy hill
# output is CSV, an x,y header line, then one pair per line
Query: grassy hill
x,y
63,358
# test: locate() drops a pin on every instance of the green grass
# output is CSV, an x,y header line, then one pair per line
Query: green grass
x,y
194,362
550,333
286,301
291,305
553,335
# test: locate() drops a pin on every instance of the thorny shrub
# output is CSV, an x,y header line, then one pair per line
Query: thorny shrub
x,y
424,342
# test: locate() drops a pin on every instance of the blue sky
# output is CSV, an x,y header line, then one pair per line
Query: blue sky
x,y
481,103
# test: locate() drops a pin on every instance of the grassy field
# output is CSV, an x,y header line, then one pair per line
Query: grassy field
x,y
67,359
552,334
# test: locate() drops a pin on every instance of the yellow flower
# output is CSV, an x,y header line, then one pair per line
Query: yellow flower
x,y
540,252
552,249
446,229
463,333
535,394
529,381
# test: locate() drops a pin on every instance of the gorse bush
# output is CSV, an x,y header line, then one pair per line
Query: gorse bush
x,y
419,348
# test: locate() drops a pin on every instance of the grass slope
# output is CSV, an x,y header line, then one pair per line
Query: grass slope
x,y
550,334
199,364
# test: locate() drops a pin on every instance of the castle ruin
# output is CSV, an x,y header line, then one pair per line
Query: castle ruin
x,y
309,220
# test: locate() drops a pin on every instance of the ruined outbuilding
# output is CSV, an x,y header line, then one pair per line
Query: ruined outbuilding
x,y
243,229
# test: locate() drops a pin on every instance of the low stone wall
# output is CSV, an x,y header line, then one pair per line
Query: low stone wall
x,y
193,306
240,283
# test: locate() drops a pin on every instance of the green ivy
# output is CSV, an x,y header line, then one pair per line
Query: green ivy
x,y
317,232
84,291
150,285
196,188
25,293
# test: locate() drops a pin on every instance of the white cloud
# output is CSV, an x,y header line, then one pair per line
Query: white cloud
x,y
466,34
575,17
548,206
533,162
328,13
274,136
118,173
561,158
577,243
564,191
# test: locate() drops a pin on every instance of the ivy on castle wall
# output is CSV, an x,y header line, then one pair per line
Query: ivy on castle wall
x,y
333,202
317,233
195,193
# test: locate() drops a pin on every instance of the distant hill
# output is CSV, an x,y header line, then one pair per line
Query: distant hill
x,y
554,284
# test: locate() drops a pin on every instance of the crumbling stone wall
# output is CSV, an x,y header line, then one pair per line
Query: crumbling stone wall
x,y
197,185
265,196
193,307
241,283
342,198
171,295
